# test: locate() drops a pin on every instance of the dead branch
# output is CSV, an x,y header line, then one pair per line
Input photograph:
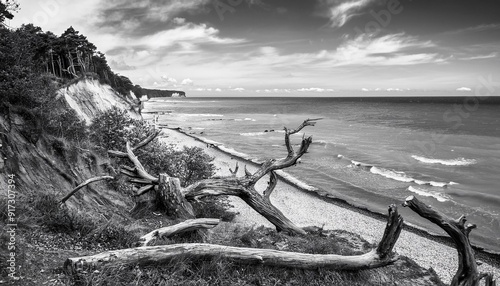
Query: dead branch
x,y
139,145
235,172
89,181
185,226
138,166
273,181
378,257
467,273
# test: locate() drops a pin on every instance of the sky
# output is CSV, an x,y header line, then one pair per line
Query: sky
x,y
289,48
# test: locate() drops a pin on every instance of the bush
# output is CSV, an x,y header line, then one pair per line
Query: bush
x,y
114,128
110,130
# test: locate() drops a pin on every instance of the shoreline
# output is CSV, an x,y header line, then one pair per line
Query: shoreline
x,y
414,242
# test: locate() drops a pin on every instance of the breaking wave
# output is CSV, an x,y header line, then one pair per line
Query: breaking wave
x,y
451,162
397,175
426,193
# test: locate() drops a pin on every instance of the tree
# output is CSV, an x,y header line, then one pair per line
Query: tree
x,y
7,7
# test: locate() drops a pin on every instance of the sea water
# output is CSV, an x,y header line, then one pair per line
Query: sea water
x,y
368,152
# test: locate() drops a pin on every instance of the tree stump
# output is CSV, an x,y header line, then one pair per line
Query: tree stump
x,y
171,200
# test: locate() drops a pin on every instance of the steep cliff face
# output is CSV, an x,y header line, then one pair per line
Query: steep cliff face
x,y
89,98
150,93
55,166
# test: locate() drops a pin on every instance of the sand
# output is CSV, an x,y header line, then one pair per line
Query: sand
x,y
306,209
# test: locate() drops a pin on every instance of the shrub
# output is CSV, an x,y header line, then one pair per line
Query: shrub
x,y
114,128
109,130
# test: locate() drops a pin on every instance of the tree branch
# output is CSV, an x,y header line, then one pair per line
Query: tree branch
x,y
467,273
138,166
273,181
91,180
187,225
139,145
235,172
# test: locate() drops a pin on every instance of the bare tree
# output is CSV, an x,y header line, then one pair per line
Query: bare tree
x,y
467,273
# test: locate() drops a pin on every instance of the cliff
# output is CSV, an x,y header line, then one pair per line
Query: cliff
x,y
140,91
90,98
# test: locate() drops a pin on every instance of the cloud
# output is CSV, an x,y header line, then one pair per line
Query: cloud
x,y
312,89
464,89
143,17
341,11
365,50
475,29
120,65
168,80
239,89
365,89
187,81
218,89
392,49
479,57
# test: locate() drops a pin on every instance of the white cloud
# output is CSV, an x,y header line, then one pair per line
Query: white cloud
x,y
365,89
479,57
464,89
312,89
239,89
341,11
179,21
187,81
218,89
187,36
169,80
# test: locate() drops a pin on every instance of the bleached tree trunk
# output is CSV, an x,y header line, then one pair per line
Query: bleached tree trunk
x,y
377,257
467,273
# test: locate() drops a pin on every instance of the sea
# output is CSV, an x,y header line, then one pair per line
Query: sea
x,y
369,152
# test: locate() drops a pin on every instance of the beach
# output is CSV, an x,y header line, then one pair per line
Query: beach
x,y
306,209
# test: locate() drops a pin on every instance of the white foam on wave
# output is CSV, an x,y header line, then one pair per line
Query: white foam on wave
x,y
398,176
291,179
253,133
249,119
451,162
204,115
425,193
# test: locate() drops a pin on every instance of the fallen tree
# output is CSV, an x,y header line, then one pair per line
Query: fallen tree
x,y
467,273
188,225
380,256
89,181
175,198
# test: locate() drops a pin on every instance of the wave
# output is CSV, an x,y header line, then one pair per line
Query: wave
x,y
320,142
397,175
204,115
425,193
451,162
253,133
294,181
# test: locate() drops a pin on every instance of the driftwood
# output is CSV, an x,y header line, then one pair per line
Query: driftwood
x,y
467,273
170,196
187,225
91,180
378,257
243,187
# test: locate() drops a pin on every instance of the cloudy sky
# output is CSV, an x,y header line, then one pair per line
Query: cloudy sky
x,y
284,47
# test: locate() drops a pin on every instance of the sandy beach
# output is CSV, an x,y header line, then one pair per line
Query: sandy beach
x,y
307,209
